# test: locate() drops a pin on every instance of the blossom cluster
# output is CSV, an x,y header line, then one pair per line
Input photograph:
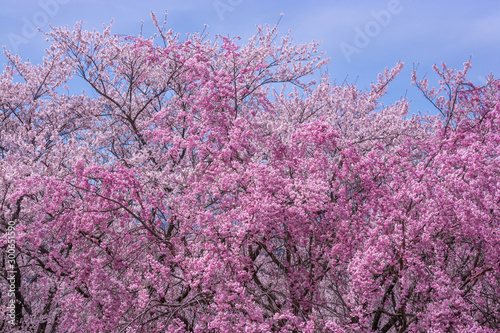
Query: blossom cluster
x,y
214,186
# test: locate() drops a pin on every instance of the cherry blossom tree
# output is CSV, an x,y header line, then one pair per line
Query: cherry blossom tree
x,y
215,186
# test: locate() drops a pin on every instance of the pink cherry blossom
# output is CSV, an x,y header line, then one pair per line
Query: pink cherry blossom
x,y
203,185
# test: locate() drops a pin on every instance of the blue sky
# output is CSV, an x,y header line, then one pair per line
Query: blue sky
x,y
361,37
